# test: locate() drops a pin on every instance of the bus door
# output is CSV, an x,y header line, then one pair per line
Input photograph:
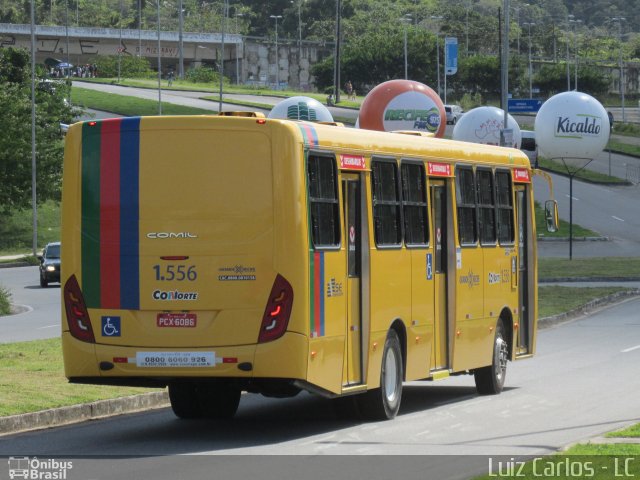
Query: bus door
x,y
523,218
352,198
440,356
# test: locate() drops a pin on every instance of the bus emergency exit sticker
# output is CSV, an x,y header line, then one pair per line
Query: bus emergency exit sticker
x,y
521,175
352,162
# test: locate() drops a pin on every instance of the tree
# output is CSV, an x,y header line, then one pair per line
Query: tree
x,y
15,141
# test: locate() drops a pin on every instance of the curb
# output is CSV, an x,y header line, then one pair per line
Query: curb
x,y
542,281
56,417
575,239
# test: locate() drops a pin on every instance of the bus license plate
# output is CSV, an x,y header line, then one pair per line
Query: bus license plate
x,y
176,320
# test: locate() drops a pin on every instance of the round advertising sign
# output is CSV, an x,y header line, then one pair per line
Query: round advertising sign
x,y
572,125
301,108
483,125
402,105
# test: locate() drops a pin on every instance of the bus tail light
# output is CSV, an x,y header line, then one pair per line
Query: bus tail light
x,y
76,310
277,312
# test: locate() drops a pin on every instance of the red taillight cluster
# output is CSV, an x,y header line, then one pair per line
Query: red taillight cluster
x,y
76,310
277,312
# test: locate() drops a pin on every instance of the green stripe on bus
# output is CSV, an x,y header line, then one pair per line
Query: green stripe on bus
x,y
90,220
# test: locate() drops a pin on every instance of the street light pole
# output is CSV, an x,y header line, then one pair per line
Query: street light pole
x,y
505,72
225,10
276,17
66,33
237,63
438,18
120,41
530,24
573,24
619,20
569,17
139,28
406,20
33,130
159,63
180,43
336,57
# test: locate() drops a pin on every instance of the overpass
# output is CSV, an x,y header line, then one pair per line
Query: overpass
x,y
85,43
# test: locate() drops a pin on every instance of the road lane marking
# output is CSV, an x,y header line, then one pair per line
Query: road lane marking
x,y
575,198
49,326
617,218
627,350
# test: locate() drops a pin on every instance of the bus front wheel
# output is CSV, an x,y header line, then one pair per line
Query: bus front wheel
x,y
383,403
490,380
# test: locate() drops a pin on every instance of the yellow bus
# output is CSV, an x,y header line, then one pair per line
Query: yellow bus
x,y
222,254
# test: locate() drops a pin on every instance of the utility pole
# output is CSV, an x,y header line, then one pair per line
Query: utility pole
x,y
336,67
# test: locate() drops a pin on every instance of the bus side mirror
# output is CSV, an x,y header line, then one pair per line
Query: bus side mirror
x,y
551,215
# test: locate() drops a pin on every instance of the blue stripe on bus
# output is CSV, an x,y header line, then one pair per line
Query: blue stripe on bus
x,y
130,213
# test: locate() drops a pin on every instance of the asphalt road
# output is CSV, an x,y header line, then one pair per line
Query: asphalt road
x,y
41,315
610,211
578,386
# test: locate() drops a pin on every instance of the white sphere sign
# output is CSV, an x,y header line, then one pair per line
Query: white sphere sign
x,y
484,124
572,125
301,108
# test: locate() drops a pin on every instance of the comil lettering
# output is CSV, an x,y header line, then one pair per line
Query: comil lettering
x,y
171,235
588,125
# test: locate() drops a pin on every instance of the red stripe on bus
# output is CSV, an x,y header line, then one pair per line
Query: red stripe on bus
x,y
110,214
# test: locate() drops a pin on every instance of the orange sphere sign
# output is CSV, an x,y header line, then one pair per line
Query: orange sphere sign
x,y
403,105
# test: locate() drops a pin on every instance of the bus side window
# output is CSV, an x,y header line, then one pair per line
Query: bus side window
x,y
486,208
386,203
414,204
466,199
323,201
504,207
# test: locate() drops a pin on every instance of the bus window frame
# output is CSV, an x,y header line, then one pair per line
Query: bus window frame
x,y
425,204
336,171
499,206
491,207
375,159
458,195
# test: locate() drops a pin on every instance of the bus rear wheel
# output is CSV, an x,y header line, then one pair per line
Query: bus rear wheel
x,y
184,400
383,403
217,401
490,380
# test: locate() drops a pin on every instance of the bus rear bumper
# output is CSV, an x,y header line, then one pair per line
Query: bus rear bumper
x,y
110,364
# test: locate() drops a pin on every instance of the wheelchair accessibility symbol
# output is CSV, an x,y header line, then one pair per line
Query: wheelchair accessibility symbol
x,y
111,326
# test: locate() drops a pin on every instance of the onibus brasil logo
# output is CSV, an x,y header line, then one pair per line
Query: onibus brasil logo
x,y
35,469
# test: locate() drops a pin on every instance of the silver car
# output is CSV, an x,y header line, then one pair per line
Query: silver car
x,y
454,112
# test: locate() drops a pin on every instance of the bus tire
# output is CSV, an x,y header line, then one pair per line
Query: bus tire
x,y
383,403
490,380
217,401
184,400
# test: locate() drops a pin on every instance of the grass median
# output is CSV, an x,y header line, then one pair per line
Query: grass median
x,y
32,379
627,268
130,106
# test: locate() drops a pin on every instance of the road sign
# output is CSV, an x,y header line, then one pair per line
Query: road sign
x,y
523,105
451,55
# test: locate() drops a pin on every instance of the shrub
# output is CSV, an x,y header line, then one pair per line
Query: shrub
x,y
5,296
130,67
204,75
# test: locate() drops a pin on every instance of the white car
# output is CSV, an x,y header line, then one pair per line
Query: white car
x,y
529,147
454,112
